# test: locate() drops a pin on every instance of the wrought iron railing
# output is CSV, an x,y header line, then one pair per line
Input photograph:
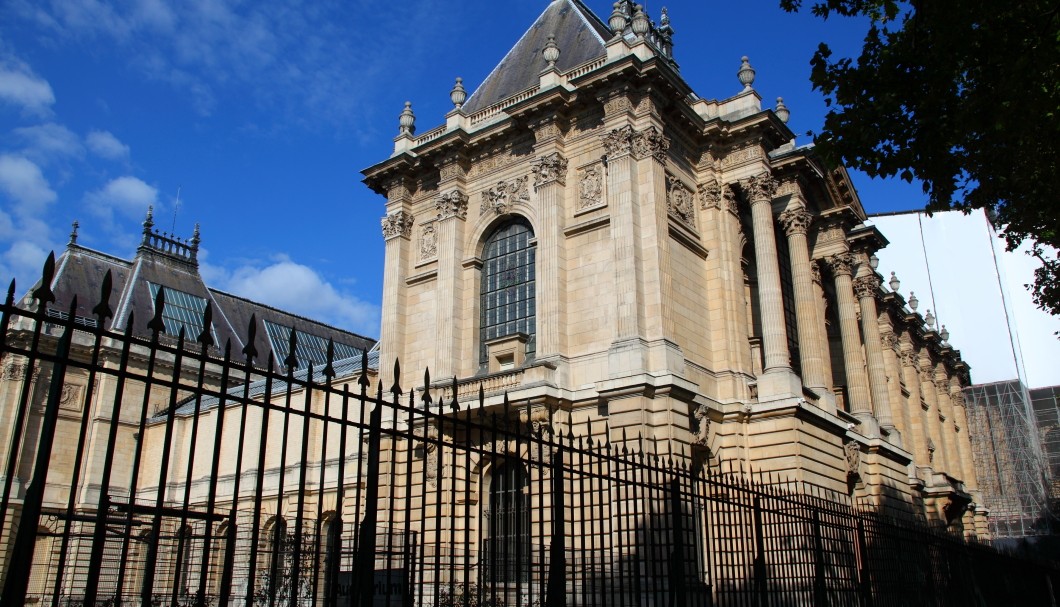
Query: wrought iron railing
x,y
136,471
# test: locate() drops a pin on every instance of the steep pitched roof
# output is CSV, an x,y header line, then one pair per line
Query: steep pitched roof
x,y
580,36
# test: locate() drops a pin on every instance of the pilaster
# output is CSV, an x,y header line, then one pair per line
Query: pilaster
x,y
936,448
397,233
550,177
949,438
919,429
451,207
720,200
961,440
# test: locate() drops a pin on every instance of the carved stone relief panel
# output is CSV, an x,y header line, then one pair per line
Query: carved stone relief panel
x,y
591,186
679,201
741,155
501,197
70,397
428,242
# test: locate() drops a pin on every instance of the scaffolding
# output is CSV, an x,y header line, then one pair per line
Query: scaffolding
x,y
1007,449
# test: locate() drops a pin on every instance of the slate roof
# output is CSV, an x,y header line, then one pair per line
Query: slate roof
x,y
580,36
79,272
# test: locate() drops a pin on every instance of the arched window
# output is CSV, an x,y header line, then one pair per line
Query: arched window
x,y
508,525
508,281
274,557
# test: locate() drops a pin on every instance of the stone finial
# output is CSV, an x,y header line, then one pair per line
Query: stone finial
x,y
149,222
617,22
746,73
407,121
73,232
551,52
458,95
782,111
929,320
894,283
641,23
913,301
944,334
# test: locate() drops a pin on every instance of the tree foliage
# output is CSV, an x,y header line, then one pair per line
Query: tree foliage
x,y
963,95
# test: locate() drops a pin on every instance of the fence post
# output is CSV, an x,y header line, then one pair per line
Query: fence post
x,y
366,543
17,582
760,555
678,597
864,583
556,593
820,594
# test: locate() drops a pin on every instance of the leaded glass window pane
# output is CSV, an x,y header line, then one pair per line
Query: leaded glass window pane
x,y
308,347
181,310
508,285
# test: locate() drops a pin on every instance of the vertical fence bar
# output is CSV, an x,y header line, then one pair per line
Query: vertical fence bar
x,y
556,595
366,543
17,581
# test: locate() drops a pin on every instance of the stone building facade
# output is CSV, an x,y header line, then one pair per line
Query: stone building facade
x,y
589,235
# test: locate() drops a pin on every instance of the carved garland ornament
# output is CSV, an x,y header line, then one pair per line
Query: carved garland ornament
x,y
549,169
502,197
590,186
702,429
679,202
452,204
398,223
852,451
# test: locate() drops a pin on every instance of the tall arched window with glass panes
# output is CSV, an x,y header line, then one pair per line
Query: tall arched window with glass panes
x,y
509,277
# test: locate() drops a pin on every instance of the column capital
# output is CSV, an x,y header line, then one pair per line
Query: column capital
x,y
841,263
795,221
619,142
714,195
398,223
650,142
760,187
452,204
866,286
550,168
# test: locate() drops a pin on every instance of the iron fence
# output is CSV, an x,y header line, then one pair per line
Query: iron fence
x,y
146,469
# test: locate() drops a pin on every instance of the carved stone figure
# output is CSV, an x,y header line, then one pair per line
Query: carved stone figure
x,y
679,201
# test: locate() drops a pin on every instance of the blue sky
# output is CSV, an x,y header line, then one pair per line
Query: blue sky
x,y
263,113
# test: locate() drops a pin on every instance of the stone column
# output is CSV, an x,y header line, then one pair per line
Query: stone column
x,y
930,395
759,190
397,231
722,200
946,428
894,377
964,445
866,288
857,383
452,215
810,325
550,176
822,310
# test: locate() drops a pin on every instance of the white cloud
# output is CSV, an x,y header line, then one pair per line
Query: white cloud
x,y
297,288
22,181
20,87
46,143
105,145
127,195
